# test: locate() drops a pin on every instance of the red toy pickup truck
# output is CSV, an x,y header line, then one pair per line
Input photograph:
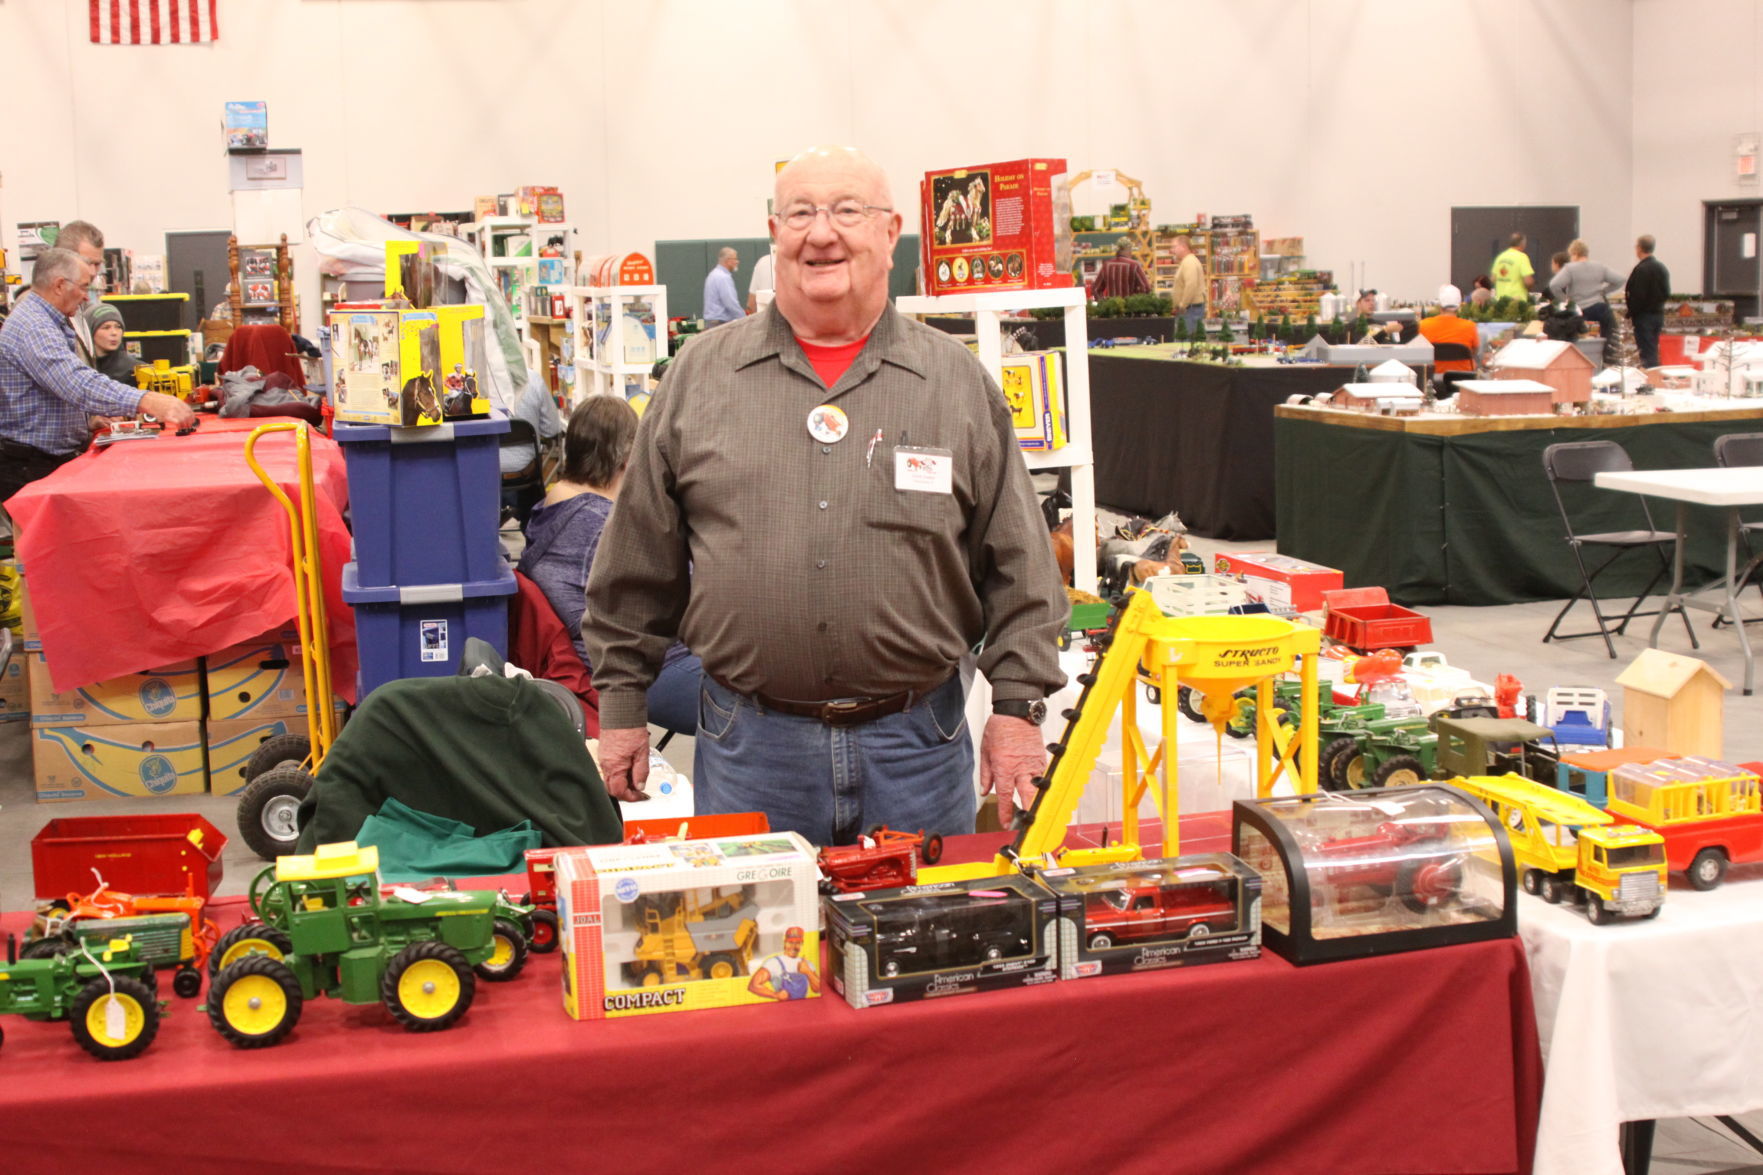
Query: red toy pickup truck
x,y
1157,911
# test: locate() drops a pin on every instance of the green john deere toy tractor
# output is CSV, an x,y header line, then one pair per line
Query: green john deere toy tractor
x,y
325,929
104,990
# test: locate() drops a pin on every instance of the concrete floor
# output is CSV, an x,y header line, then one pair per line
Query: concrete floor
x,y
1487,641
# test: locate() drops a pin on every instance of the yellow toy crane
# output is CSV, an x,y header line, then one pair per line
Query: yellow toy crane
x,y
1214,655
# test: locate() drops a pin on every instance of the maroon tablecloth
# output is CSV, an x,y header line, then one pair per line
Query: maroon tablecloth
x,y
1422,1062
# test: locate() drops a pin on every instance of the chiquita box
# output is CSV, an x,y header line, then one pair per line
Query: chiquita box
x,y
1001,226
677,925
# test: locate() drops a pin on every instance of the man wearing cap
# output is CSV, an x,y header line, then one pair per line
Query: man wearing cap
x,y
46,393
826,502
1447,327
786,975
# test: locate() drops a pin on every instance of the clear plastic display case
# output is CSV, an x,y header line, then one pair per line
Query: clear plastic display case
x,y
1351,874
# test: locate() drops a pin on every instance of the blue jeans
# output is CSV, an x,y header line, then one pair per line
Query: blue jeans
x,y
1195,315
1600,313
673,698
1646,336
909,770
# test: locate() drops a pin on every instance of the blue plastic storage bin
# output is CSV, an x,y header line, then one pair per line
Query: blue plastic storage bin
x,y
426,502
419,631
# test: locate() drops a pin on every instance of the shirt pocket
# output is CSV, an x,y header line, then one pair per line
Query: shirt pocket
x,y
906,512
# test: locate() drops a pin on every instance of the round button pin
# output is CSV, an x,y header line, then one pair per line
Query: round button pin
x,y
827,424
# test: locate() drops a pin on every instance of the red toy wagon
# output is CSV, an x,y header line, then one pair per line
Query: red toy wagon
x,y
1363,619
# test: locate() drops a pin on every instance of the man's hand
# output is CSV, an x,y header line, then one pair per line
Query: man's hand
x,y
624,762
170,409
1011,754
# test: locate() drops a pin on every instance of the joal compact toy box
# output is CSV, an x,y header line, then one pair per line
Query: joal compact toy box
x,y
678,925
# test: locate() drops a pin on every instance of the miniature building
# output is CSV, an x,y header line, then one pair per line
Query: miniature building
x,y
1730,369
1675,378
1673,701
1505,397
1391,371
1549,361
1387,399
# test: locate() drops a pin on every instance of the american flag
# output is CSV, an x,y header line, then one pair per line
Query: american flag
x,y
153,22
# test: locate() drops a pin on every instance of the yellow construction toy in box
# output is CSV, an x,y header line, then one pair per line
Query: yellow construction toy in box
x,y
678,925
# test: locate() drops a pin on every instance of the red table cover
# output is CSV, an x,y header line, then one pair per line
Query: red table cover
x,y
150,552
1418,1062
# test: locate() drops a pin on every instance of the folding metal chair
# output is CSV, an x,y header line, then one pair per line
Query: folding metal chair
x,y
1580,461
1735,449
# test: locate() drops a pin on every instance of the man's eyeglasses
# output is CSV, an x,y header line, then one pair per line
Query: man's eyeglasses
x,y
845,214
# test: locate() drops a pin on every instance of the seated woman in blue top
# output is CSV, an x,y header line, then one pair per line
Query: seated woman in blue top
x,y
564,532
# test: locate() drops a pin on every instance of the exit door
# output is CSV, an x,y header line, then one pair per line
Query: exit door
x,y
1478,235
1730,268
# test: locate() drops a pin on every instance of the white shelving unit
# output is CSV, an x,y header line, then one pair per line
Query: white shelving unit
x,y
489,234
609,369
1079,453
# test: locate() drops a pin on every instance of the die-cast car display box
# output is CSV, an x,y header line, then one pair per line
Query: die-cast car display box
x,y
1350,874
949,938
1149,915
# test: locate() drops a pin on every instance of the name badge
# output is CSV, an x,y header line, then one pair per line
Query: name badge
x,y
928,471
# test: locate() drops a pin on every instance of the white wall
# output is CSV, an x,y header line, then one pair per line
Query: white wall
x,y
1354,123
1696,86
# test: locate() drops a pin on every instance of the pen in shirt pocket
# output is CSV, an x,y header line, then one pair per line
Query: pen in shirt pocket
x,y
869,456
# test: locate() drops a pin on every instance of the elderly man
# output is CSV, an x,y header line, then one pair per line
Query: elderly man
x,y
1189,294
1121,276
1649,285
721,303
46,393
826,503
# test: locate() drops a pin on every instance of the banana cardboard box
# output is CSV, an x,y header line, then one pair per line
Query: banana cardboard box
x,y
231,743
171,693
15,690
257,680
133,760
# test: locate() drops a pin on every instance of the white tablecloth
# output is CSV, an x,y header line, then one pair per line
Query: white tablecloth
x,y
1659,1019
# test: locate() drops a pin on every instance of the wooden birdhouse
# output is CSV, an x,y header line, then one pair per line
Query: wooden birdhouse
x,y
1675,702
1549,361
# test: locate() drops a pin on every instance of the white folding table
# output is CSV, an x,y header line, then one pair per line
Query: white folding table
x,y
1728,489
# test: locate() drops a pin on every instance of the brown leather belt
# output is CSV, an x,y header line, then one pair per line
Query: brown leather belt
x,y
842,711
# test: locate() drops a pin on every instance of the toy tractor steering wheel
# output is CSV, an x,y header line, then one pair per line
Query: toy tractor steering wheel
x,y
260,890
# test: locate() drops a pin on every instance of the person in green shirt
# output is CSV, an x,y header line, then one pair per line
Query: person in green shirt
x,y
1513,275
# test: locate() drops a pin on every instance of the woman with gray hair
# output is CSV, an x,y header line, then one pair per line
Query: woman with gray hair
x,y
563,533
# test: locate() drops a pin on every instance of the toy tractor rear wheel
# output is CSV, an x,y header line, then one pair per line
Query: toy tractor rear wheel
x,y
187,983
1428,884
255,1002
933,848
544,936
114,1025
245,940
1349,770
1325,759
1399,771
283,748
1186,700
428,986
269,807
509,955
44,948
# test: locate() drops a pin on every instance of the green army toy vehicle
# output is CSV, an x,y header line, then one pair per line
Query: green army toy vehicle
x,y
104,990
326,929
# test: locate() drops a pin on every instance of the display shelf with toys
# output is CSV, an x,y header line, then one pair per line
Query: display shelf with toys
x,y
1077,454
618,334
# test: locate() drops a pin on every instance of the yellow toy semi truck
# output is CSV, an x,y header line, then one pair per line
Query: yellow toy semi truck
x,y
1569,850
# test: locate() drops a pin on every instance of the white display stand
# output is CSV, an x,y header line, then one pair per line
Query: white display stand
x,y
1078,455
610,369
491,229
